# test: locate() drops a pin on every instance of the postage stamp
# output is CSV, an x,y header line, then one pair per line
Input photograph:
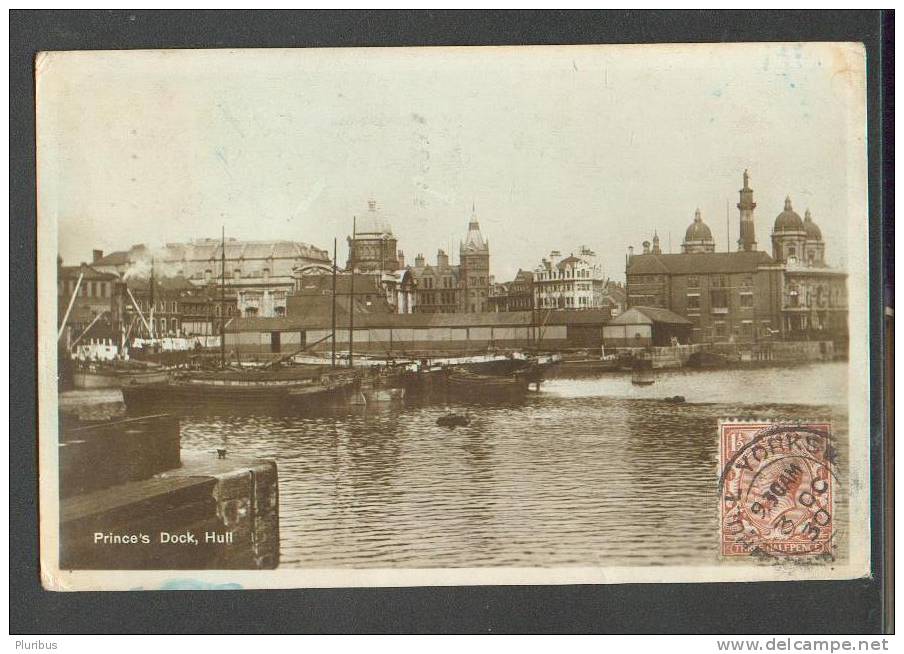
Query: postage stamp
x,y
776,483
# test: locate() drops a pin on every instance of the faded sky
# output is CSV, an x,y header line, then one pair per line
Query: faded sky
x,y
557,147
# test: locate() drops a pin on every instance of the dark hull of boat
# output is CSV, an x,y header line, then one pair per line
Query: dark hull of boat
x,y
424,383
189,397
498,367
585,367
485,388
85,379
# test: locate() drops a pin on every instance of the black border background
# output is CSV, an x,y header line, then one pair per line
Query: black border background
x,y
807,607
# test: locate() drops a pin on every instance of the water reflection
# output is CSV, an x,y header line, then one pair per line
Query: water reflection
x,y
587,472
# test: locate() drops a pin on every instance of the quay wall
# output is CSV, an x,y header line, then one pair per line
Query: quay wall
x,y
778,351
664,356
130,478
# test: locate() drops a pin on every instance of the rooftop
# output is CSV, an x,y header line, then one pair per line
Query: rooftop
x,y
698,263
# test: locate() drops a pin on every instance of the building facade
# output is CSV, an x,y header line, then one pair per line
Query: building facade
x,y
814,300
462,288
438,285
516,295
727,296
474,273
86,301
259,274
572,282
745,296
372,248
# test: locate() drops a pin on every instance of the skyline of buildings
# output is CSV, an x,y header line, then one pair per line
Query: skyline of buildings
x,y
742,295
747,295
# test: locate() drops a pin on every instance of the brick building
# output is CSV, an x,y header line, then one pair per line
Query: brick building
x,y
91,293
516,295
462,288
727,296
745,296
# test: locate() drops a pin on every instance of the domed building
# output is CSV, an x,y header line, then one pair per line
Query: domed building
x,y
372,247
789,237
698,237
814,248
814,301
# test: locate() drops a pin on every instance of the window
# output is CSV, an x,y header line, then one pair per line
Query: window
x,y
746,300
236,274
693,302
719,329
747,329
718,299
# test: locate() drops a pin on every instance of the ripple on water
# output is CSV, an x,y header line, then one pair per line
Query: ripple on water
x,y
588,472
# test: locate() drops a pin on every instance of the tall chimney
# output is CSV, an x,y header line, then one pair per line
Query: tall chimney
x,y
646,247
401,257
96,255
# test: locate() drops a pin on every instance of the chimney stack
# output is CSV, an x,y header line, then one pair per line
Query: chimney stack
x,y
442,259
401,258
646,247
96,255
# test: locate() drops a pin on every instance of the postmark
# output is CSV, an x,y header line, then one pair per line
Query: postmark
x,y
776,486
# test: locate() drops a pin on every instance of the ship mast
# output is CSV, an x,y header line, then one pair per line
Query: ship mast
x,y
333,312
351,304
223,300
151,330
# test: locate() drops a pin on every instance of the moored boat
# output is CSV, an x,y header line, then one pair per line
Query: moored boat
x,y
227,390
116,374
471,386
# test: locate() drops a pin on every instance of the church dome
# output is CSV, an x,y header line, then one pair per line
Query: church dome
x,y
812,229
788,220
698,230
373,222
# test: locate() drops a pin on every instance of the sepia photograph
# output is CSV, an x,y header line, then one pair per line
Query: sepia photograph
x,y
452,315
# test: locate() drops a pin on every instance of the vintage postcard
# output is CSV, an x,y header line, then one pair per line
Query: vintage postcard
x,y
432,316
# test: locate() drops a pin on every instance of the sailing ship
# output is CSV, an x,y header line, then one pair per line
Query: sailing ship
x,y
242,390
278,386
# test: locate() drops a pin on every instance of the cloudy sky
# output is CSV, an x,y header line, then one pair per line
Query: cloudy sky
x,y
556,147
